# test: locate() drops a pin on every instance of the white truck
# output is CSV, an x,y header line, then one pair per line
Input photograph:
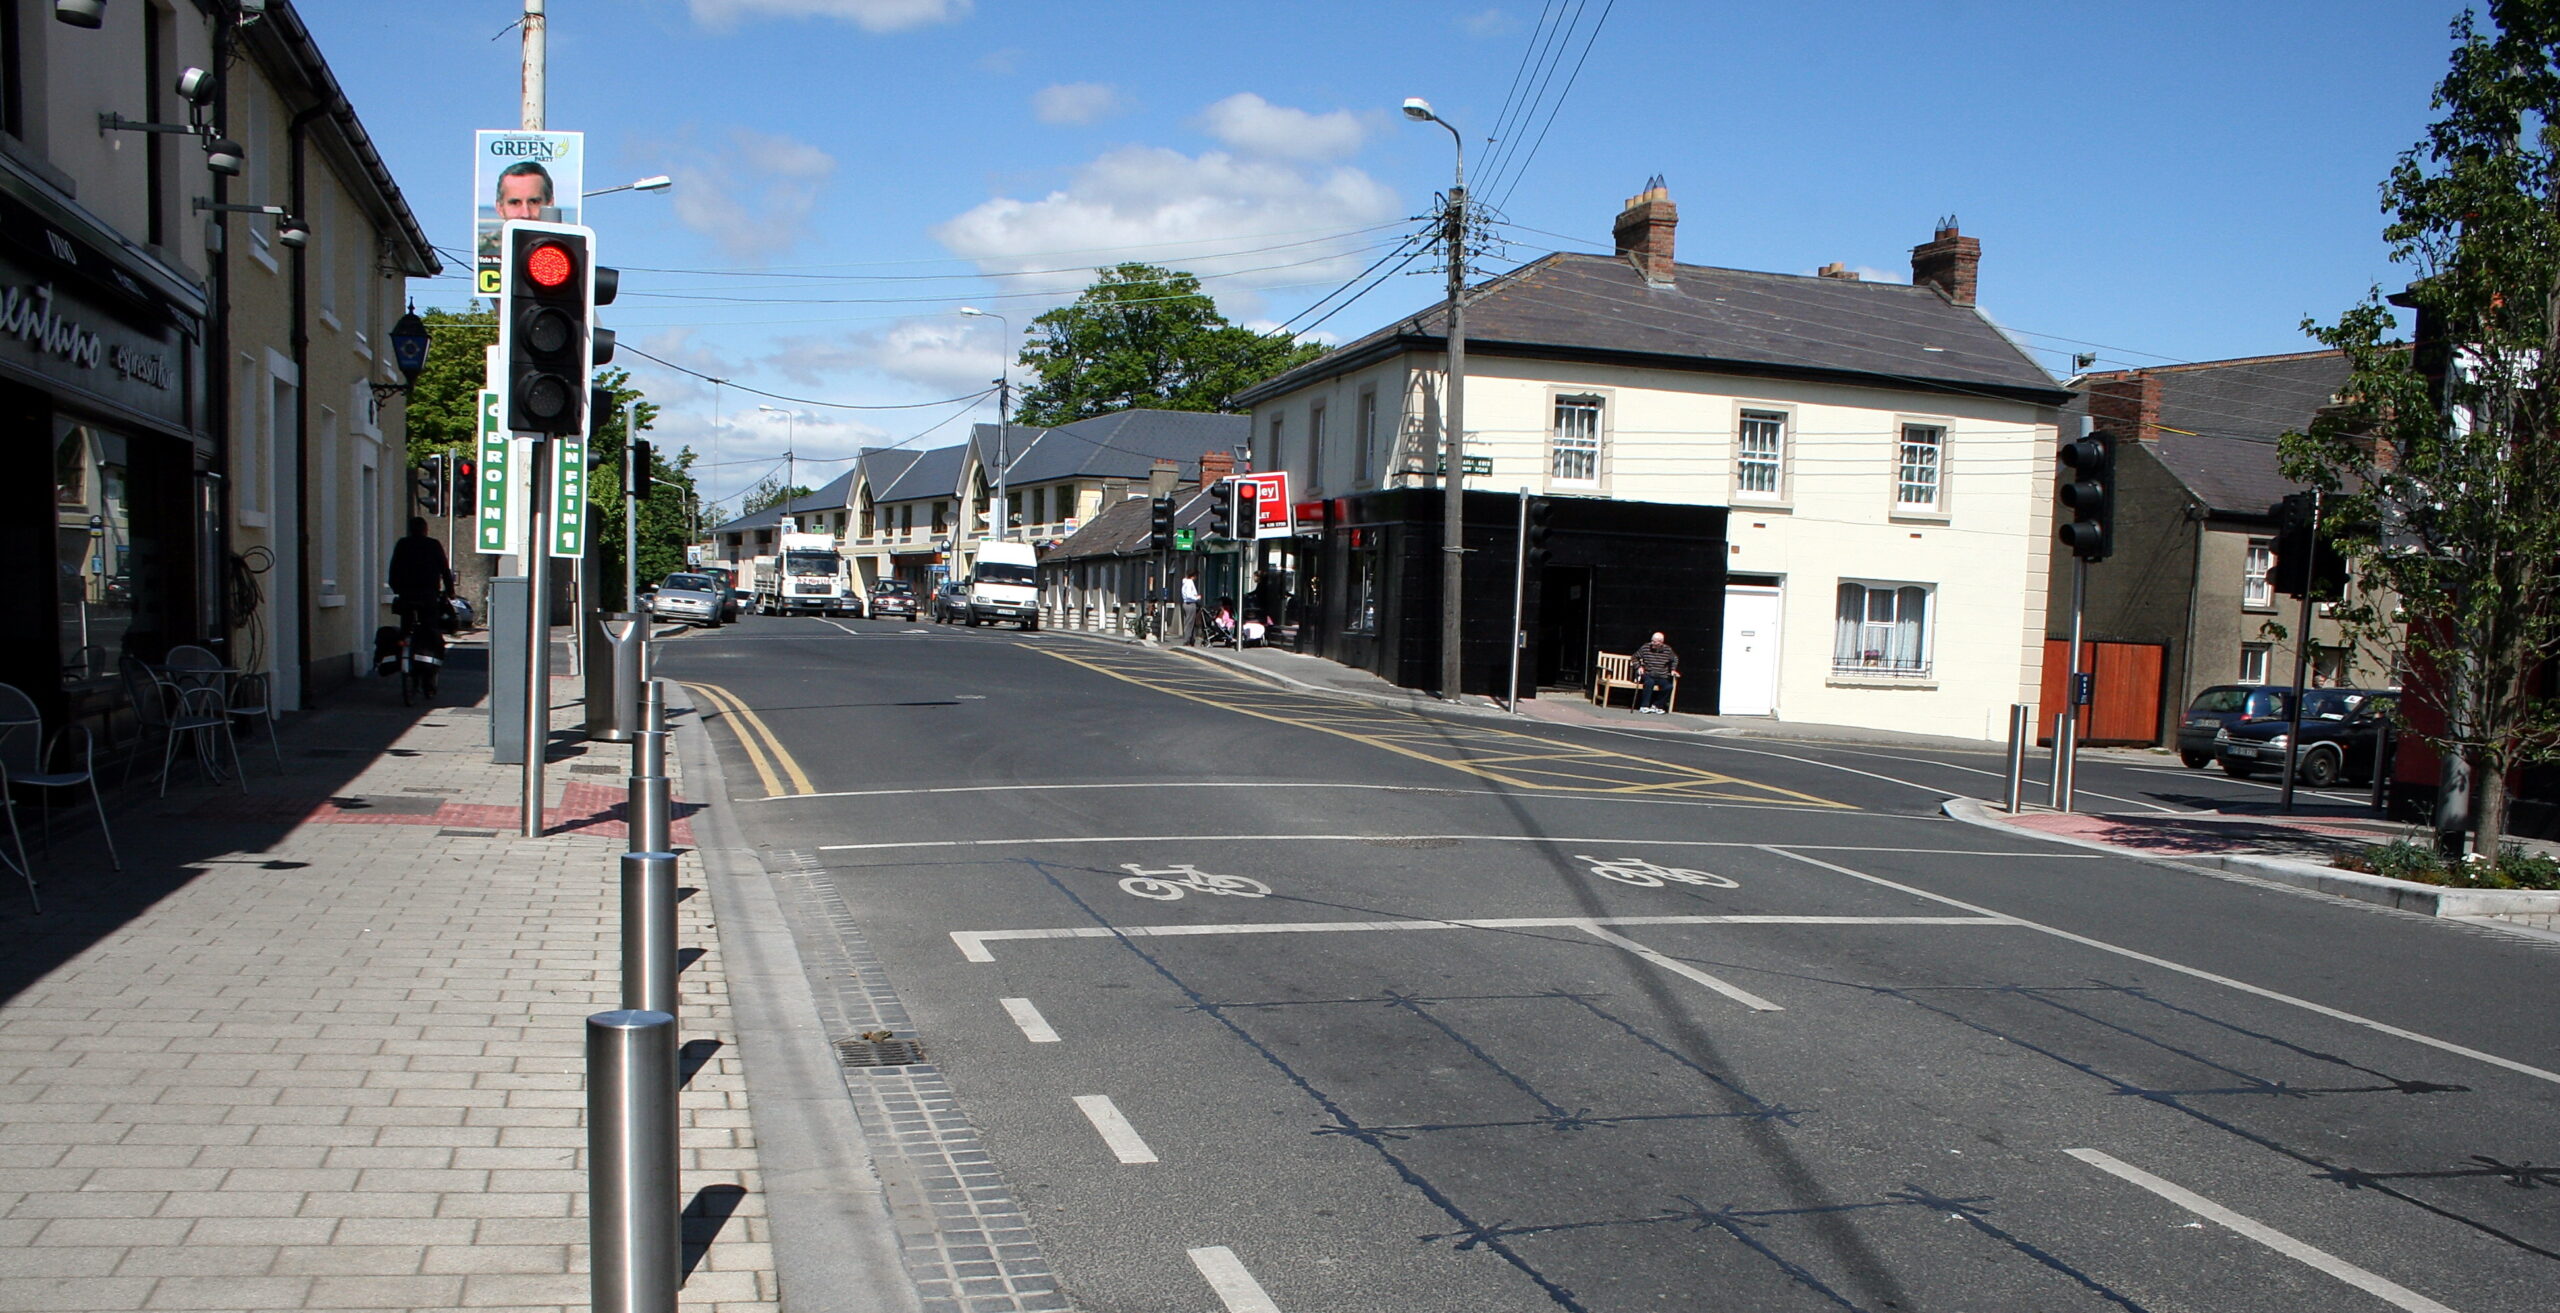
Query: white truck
x,y
1005,585
805,575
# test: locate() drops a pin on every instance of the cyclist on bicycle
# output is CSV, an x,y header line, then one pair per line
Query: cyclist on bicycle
x,y
421,585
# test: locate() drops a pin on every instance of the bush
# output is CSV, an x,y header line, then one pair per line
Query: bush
x,y
2516,868
2400,860
2523,869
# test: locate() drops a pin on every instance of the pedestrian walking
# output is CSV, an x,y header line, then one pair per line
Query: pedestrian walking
x,y
1191,607
1655,665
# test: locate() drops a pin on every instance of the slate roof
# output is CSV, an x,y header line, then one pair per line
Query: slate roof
x,y
934,473
1575,306
1123,528
2219,419
1126,445
832,497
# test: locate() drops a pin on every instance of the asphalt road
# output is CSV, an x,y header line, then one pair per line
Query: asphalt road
x,y
1261,1000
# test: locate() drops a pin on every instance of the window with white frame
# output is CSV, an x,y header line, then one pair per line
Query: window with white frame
x,y
1760,454
1574,445
2254,590
1882,629
1917,471
2253,662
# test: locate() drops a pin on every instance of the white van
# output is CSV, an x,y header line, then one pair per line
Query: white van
x,y
1006,585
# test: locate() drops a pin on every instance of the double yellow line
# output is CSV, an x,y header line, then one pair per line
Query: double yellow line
x,y
764,749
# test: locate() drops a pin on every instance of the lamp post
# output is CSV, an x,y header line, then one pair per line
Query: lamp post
x,y
658,183
1002,512
790,459
1453,477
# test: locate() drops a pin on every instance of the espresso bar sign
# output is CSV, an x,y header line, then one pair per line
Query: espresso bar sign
x,y
27,313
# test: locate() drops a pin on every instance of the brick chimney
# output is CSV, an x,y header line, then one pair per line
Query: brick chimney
x,y
1949,262
2128,403
1835,269
1644,230
1216,465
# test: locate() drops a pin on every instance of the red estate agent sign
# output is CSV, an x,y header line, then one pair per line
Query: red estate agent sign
x,y
1271,504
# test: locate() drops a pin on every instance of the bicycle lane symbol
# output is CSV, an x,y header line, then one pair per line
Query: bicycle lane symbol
x,y
1168,883
1646,875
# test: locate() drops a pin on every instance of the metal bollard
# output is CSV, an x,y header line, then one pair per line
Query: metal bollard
x,y
635,1217
649,752
651,810
649,931
2021,721
653,705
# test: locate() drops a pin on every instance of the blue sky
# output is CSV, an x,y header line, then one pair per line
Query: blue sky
x,y
2153,182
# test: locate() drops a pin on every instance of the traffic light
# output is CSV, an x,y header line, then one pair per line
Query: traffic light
x,y
2089,489
550,287
462,472
1160,527
1222,510
2306,560
1535,551
1248,508
635,469
431,485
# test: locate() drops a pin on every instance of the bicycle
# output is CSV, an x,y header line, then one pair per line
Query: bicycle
x,y
1173,882
421,648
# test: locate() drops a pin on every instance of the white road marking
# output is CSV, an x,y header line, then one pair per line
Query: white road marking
x,y
1647,800
855,632
2397,1295
1763,752
973,943
2199,973
1679,968
1035,1027
1235,1287
2299,789
1619,840
1116,1130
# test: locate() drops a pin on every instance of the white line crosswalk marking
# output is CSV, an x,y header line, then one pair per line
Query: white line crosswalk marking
x,y
1235,1287
1121,1137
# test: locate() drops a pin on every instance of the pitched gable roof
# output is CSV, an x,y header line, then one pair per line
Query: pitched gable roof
x,y
832,497
2218,420
1572,306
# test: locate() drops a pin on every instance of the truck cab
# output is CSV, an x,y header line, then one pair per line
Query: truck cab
x,y
1005,586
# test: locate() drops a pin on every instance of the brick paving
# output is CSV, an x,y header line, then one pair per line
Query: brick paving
x,y
320,1047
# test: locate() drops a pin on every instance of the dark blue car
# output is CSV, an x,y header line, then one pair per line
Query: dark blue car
x,y
2342,729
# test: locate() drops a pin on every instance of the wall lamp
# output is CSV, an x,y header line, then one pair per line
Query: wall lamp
x,y
289,230
408,352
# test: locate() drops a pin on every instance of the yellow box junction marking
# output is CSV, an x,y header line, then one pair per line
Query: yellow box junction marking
x,y
1491,752
764,748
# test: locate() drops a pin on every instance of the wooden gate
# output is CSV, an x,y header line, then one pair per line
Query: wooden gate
x,y
2127,706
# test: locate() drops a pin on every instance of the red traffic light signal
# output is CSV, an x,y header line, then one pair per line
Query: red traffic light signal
x,y
549,265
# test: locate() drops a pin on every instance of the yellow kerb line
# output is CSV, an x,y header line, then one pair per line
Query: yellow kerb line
x,y
1592,755
764,747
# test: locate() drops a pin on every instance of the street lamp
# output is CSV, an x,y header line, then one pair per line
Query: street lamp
x,y
1453,478
658,183
1002,512
790,458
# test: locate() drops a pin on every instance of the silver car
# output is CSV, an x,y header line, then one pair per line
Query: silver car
x,y
691,599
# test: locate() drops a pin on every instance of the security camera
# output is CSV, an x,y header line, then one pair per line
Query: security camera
x,y
290,231
224,156
195,86
80,13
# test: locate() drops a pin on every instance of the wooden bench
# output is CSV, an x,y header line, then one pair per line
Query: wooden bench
x,y
1611,671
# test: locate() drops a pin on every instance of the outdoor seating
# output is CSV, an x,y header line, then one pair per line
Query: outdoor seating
x,y
245,694
1611,671
194,711
24,751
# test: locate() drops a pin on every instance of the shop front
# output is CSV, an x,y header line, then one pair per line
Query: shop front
x,y
110,506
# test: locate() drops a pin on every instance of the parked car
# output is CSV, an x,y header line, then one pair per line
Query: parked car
x,y
893,598
951,602
692,599
2219,708
731,605
2341,727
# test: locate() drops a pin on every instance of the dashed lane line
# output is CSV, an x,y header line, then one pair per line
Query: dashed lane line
x,y
1227,1278
1035,1027
1117,1134
2391,1292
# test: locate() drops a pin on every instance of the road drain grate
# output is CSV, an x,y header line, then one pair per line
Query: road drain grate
x,y
877,1049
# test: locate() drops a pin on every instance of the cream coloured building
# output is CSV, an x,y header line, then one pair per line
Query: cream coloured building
x,y
1885,452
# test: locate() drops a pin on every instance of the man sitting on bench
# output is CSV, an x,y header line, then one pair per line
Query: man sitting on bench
x,y
1655,664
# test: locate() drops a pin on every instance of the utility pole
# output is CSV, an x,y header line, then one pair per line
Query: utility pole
x,y
1004,456
533,66
1453,482
537,557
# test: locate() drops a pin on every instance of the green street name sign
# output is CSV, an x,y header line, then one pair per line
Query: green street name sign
x,y
569,497
1473,465
497,521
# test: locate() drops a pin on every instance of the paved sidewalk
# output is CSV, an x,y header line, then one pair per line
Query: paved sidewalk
x,y
321,1046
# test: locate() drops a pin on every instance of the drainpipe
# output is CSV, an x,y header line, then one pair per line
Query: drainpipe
x,y
217,351
300,339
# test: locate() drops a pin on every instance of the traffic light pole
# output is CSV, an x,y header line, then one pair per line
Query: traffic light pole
x,y
2302,662
537,676
2066,731
1519,597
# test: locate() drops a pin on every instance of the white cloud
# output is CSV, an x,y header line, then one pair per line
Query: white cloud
x,y
946,355
869,15
754,198
1077,102
1492,22
1255,126
1003,63
1204,213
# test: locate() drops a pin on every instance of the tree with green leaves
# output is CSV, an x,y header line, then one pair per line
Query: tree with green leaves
x,y
2441,461
1143,336
769,492
444,406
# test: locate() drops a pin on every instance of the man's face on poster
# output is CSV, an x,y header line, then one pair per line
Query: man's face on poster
x,y
522,195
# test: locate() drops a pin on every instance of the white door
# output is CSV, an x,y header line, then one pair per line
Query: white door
x,y
1750,686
